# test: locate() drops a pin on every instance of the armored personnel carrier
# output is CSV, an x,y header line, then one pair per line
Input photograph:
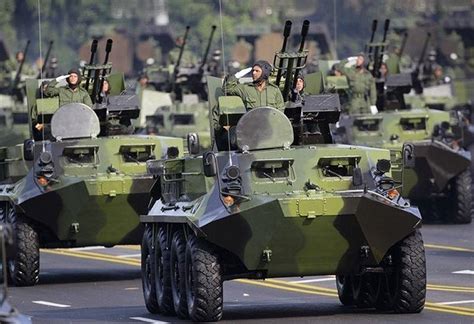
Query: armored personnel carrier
x,y
88,183
426,145
275,198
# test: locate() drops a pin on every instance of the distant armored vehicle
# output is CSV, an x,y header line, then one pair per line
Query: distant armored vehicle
x,y
426,145
277,199
180,104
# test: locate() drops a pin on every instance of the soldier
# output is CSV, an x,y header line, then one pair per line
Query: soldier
x,y
298,92
13,65
363,94
143,83
70,93
187,58
260,92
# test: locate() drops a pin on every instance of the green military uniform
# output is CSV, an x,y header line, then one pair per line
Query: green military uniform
x,y
252,98
68,95
362,89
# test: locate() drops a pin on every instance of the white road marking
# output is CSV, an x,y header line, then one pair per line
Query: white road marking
x,y
42,302
87,248
314,280
471,272
457,302
148,320
129,255
246,295
132,288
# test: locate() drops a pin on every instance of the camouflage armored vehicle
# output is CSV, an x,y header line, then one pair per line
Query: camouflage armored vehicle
x,y
436,175
180,104
88,182
279,202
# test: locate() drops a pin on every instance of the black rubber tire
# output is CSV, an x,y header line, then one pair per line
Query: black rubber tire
x,y
164,295
178,283
365,289
460,199
403,287
204,288
23,259
344,290
148,274
24,265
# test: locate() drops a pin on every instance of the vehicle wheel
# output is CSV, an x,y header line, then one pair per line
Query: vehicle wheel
x,y
459,203
178,283
344,290
23,259
162,273
404,283
148,275
203,282
365,289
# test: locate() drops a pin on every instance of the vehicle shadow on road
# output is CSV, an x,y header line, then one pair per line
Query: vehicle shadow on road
x,y
64,276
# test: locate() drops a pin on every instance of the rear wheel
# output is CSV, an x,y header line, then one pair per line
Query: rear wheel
x,y
203,282
344,290
178,283
162,273
403,287
148,274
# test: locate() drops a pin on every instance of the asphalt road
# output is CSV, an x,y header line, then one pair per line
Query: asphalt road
x,y
100,285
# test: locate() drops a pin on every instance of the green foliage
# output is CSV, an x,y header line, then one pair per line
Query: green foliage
x,y
71,23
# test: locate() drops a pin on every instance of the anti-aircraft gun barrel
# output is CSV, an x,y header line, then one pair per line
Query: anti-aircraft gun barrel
x,y
208,47
379,58
404,43
423,51
286,34
108,49
304,33
374,28
20,68
91,60
46,59
181,50
417,86
99,79
178,62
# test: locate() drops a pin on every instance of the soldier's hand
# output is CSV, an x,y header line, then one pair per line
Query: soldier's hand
x,y
39,127
62,77
373,109
243,72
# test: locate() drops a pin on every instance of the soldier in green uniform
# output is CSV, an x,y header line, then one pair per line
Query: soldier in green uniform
x,y
363,93
71,93
260,92
187,59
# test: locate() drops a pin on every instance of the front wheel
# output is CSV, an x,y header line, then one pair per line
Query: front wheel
x,y
459,203
403,287
204,289
23,260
